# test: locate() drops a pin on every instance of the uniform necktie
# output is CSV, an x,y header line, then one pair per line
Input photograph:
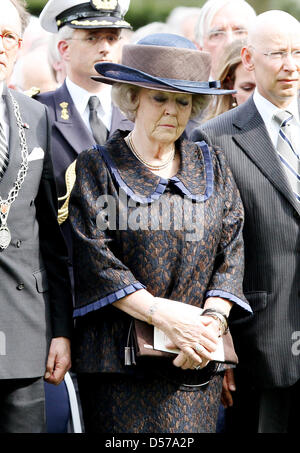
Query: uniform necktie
x,y
98,128
288,154
4,154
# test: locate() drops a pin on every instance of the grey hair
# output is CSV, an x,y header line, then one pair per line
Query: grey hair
x,y
24,15
125,96
208,12
53,52
54,38
178,15
64,33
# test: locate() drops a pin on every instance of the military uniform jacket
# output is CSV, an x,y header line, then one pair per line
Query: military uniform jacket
x,y
265,343
35,300
70,136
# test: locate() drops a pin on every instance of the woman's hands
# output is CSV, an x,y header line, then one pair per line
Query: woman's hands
x,y
195,336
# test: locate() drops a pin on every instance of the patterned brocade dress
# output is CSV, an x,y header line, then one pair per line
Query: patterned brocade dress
x,y
181,239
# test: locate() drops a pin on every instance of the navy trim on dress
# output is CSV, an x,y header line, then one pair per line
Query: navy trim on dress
x,y
229,296
161,187
111,298
209,172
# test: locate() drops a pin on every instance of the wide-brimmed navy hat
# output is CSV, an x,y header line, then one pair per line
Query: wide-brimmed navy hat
x,y
162,61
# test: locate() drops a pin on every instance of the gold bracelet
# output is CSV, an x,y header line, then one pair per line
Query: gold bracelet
x,y
218,316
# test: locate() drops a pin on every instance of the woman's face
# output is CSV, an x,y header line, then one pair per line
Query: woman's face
x,y
244,84
163,115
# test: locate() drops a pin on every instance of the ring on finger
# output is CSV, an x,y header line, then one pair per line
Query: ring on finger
x,y
197,367
199,348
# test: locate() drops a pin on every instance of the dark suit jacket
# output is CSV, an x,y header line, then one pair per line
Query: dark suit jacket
x,y
36,299
272,243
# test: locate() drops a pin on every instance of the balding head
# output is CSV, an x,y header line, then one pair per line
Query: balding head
x,y
272,52
271,23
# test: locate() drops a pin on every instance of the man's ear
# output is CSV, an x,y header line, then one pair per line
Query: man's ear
x,y
63,48
247,58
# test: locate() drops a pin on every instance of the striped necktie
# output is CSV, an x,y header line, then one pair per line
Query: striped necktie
x,y
4,154
288,154
98,128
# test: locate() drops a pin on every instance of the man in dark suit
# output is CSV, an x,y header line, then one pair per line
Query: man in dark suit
x,y
36,304
263,148
87,34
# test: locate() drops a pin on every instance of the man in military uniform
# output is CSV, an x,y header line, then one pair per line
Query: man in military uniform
x,y
81,110
88,32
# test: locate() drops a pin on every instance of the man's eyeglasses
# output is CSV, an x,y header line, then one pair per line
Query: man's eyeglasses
x,y
280,55
93,40
10,40
220,35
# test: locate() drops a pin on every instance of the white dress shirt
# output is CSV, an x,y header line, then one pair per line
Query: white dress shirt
x,y
267,110
81,98
3,114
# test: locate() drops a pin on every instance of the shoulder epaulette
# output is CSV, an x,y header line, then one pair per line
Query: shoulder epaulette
x,y
70,178
33,91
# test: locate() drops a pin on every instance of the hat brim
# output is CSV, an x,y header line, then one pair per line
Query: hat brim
x,y
112,73
99,22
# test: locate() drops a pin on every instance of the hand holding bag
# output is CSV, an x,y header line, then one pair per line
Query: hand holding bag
x,y
141,344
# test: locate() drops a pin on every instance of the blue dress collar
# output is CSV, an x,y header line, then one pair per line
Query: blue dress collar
x,y
194,179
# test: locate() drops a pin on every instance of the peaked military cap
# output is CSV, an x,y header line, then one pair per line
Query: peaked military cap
x,y
84,14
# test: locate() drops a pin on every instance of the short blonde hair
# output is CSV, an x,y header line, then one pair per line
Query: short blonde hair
x,y
125,96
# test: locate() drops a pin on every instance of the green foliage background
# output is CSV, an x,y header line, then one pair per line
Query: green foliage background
x,y
141,12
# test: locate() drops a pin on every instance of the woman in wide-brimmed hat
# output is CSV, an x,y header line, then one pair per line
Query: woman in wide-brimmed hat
x,y
157,225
